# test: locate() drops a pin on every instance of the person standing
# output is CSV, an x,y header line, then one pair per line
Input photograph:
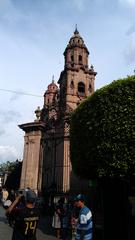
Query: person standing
x,y
56,223
25,217
84,224
4,195
60,219
74,217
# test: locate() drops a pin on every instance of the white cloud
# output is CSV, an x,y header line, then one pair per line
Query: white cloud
x,y
130,3
16,95
2,131
80,5
13,16
7,9
8,153
9,116
130,50
131,30
4,3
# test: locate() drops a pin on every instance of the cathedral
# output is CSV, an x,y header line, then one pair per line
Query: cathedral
x,y
46,155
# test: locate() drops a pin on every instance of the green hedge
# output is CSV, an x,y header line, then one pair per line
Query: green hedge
x,y
102,132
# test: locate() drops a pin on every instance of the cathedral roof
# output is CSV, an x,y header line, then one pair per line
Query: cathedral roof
x,y
76,41
52,87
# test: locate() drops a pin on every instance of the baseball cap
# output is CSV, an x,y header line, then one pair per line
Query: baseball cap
x,y
80,197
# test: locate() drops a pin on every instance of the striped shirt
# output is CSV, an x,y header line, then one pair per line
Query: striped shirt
x,y
84,226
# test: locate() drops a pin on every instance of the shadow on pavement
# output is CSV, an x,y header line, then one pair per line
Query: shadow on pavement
x,y
45,225
3,219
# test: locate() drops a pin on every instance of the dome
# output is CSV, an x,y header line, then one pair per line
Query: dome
x,y
52,87
76,41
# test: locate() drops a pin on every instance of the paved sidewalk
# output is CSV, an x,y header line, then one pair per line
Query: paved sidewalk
x,y
44,231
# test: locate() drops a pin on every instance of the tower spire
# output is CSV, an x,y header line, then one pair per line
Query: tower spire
x,y
76,30
52,78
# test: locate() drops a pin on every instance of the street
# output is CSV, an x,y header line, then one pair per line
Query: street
x,y
44,230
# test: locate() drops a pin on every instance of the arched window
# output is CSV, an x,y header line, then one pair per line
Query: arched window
x,y
72,58
90,88
81,88
72,87
80,58
72,84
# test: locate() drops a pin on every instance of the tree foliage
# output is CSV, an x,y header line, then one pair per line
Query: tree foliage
x,y
7,166
13,179
103,132
13,169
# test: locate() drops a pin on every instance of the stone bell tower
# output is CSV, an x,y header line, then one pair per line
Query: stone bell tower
x,y
76,83
77,79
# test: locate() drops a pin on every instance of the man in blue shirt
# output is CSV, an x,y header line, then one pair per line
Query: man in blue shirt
x,y
84,225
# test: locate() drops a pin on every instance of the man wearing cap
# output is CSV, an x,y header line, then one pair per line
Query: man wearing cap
x,y
26,216
84,225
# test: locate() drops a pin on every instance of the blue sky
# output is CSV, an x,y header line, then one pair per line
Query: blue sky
x,y
33,37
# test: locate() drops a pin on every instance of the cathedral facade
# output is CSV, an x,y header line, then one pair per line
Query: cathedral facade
x,y
46,156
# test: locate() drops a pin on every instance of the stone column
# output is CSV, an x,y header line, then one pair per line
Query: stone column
x,y
32,156
66,160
